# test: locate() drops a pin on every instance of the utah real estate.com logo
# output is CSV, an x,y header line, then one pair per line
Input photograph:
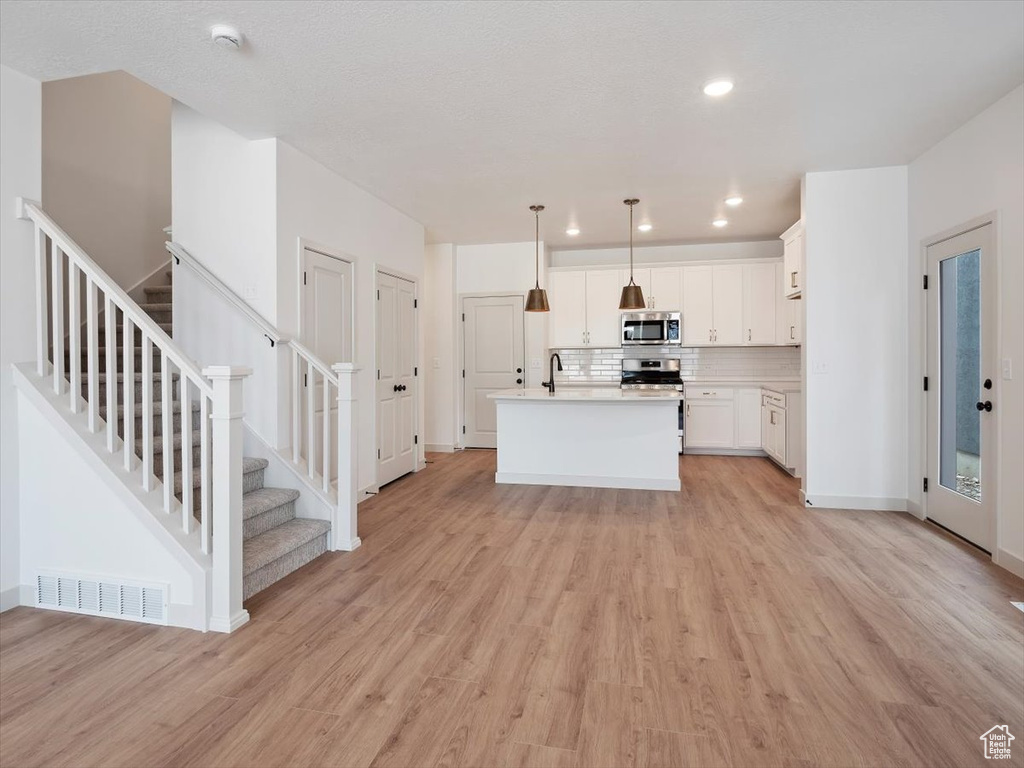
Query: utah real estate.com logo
x,y
997,742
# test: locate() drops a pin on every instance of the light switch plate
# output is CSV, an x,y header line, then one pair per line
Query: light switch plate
x,y
1007,368
819,367
437,362
249,292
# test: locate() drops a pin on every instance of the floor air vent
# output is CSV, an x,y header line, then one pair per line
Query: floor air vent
x,y
102,597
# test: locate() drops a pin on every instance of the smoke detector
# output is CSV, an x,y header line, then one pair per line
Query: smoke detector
x,y
226,36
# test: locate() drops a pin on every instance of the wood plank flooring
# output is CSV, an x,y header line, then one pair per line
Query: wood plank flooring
x,y
484,625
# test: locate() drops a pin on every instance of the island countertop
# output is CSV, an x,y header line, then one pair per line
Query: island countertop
x,y
594,395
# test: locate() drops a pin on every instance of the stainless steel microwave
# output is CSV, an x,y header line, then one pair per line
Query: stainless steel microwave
x,y
651,328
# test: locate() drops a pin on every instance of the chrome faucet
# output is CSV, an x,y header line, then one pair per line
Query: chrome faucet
x,y
550,383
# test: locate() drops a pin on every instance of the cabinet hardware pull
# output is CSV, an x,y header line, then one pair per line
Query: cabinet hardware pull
x,y
792,333
749,331
792,279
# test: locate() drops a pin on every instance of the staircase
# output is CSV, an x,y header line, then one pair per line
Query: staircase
x,y
275,541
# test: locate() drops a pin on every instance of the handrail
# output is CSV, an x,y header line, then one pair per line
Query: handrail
x,y
117,295
182,256
321,367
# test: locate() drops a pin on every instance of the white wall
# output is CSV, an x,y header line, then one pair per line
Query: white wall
x,y
439,346
319,205
657,254
976,170
855,337
107,169
20,175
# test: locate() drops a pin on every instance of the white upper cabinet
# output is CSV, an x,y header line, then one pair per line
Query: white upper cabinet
x,y
789,321
728,301
760,291
793,260
698,309
604,319
712,305
567,295
666,289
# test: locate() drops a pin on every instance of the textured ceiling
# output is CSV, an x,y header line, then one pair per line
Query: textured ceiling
x,y
462,114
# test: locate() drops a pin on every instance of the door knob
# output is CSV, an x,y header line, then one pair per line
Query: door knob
x,y
987,384
986,406
519,370
519,381
402,387
395,387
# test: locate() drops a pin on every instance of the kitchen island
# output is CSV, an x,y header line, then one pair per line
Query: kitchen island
x,y
595,438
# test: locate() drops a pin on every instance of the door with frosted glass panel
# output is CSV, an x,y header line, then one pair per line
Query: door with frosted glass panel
x,y
962,398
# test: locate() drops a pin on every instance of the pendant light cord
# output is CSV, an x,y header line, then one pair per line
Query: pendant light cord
x,y
631,244
536,250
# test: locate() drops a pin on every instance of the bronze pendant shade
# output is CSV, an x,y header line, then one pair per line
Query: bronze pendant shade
x,y
537,298
632,294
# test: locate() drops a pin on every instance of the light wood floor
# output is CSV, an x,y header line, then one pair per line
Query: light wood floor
x,y
484,625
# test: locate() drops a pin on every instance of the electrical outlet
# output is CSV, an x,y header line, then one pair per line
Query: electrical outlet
x,y
536,363
819,367
437,362
249,292
1007,368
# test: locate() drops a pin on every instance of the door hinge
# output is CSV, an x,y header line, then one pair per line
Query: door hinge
x,y
305,379
463,429
303,277
415,303
415,439
463,317
415,371
926,485
925,383
926,282
463,373
378,294
378,454
378,374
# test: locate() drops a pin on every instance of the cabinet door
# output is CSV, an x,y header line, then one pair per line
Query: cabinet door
x,y
760,291
604,323
765,432
778,418
748,416
709,424
794,315
666,289
727,301
698,318
793,258
567,322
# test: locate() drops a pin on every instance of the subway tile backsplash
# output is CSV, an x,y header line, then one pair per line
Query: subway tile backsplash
x,y
600,366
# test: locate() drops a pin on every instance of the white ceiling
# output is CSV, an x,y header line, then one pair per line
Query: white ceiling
x,y
463,114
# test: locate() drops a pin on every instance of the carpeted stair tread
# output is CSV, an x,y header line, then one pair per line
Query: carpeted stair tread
x,y
249,465
157,307
264,549
165,327
158,443
102,377
158,409
265,499
158,290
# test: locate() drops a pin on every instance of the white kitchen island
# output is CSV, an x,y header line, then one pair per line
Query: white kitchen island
x,y
595,438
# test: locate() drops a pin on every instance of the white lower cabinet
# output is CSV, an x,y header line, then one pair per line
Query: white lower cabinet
x,y
710,418
781,430
748,419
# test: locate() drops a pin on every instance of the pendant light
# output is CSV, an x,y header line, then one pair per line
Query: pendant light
x,y
537,298
632,294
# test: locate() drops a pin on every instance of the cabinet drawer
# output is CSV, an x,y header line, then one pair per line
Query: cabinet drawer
x,y
708,393
774,398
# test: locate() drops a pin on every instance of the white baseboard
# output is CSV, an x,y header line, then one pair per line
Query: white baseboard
x,y
1012,563
367,493
724,452
348,546
224,624
439,448
588,481
915,509
11,598
866,503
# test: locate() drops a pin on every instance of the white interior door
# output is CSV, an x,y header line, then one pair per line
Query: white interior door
x,y
494,355
962,385
326,330
396,377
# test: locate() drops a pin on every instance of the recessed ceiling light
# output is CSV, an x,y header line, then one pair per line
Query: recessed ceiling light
x,y
226,36
718,87
719,223
572,231
733,201
645,227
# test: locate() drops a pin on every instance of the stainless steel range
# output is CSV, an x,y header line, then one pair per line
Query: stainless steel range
x,y
655,373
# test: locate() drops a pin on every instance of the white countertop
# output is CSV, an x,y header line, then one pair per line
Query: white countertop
x,y
591,395
774,385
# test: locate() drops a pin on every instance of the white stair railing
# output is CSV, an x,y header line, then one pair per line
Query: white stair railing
x,y
320,436
218,477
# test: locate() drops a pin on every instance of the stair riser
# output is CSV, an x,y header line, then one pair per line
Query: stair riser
x,y
157,391
251,481
277,570
272,518
159,295
160,315
158,457
158,423
101,362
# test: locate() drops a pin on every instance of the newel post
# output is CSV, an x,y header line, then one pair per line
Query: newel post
x,y
226,611
345,535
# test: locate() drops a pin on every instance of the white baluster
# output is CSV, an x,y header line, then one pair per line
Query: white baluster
x,y
75,336
110,313
226,611
42,318
344,533
185,397
128,345
326,463
296,407
310,412
57,308
147,412
205,474
167,438
92,351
